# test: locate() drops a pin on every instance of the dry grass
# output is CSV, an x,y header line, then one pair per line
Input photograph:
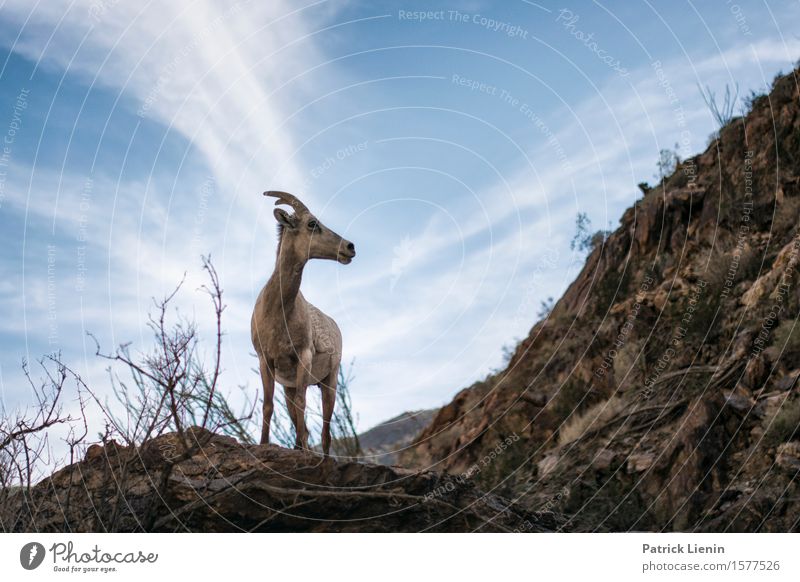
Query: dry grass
x,y
594,417
786,216
786,337
785,425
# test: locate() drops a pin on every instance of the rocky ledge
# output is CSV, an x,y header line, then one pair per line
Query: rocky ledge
x,y
220,485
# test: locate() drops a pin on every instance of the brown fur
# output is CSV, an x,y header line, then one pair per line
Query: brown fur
x,y
296,343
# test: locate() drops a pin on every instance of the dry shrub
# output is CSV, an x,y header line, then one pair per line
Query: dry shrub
x,y
786,216
25,452
172,387
785,425
593,418
786,340
629,365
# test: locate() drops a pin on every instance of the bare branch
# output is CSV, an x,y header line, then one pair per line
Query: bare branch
x,y
215,293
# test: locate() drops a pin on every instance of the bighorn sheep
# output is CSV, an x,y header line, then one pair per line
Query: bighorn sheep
x,y
296,343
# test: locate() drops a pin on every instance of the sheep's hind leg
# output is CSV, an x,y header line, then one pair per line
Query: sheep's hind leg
x,y
328,388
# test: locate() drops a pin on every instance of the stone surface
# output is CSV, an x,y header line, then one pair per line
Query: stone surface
x,y
228,487
788,456
698,374
639,462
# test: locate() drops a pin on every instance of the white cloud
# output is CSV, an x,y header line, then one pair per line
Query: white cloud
x,y
214,72
211,74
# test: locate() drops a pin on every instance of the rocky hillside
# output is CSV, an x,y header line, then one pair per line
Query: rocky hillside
x,y
661,391
224,486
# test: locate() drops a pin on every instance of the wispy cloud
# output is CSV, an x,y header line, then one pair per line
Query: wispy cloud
x,y
428,304
223,75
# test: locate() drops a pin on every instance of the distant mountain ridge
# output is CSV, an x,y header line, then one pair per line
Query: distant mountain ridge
x,y
384,443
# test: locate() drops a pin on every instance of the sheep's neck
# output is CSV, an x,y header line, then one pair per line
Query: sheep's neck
x,y
284,284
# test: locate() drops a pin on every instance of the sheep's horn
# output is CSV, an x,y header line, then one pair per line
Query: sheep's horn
x,y
286,198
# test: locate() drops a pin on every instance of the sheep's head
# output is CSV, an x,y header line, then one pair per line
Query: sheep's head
x,y
307,235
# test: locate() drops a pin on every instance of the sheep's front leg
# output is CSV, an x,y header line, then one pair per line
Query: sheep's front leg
x,y
303,371
289,391
268,381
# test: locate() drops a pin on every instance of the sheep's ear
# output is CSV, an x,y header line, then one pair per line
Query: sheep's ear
x,y
285,219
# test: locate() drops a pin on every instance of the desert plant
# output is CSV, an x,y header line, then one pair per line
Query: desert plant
x,y
786,337
545,307
343,423
785,220
572,398
585,241
592,418
24,447
749,102
612,505
344,433
750,260
582,239
668,160
785,425
611,286
170,387
721,112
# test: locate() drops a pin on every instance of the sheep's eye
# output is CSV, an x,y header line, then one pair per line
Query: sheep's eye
x,y
312,224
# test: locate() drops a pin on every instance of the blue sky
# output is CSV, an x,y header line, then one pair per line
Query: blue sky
x,y
454,148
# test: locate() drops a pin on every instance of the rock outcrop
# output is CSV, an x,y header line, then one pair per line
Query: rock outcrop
x,y
660,393
224,486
